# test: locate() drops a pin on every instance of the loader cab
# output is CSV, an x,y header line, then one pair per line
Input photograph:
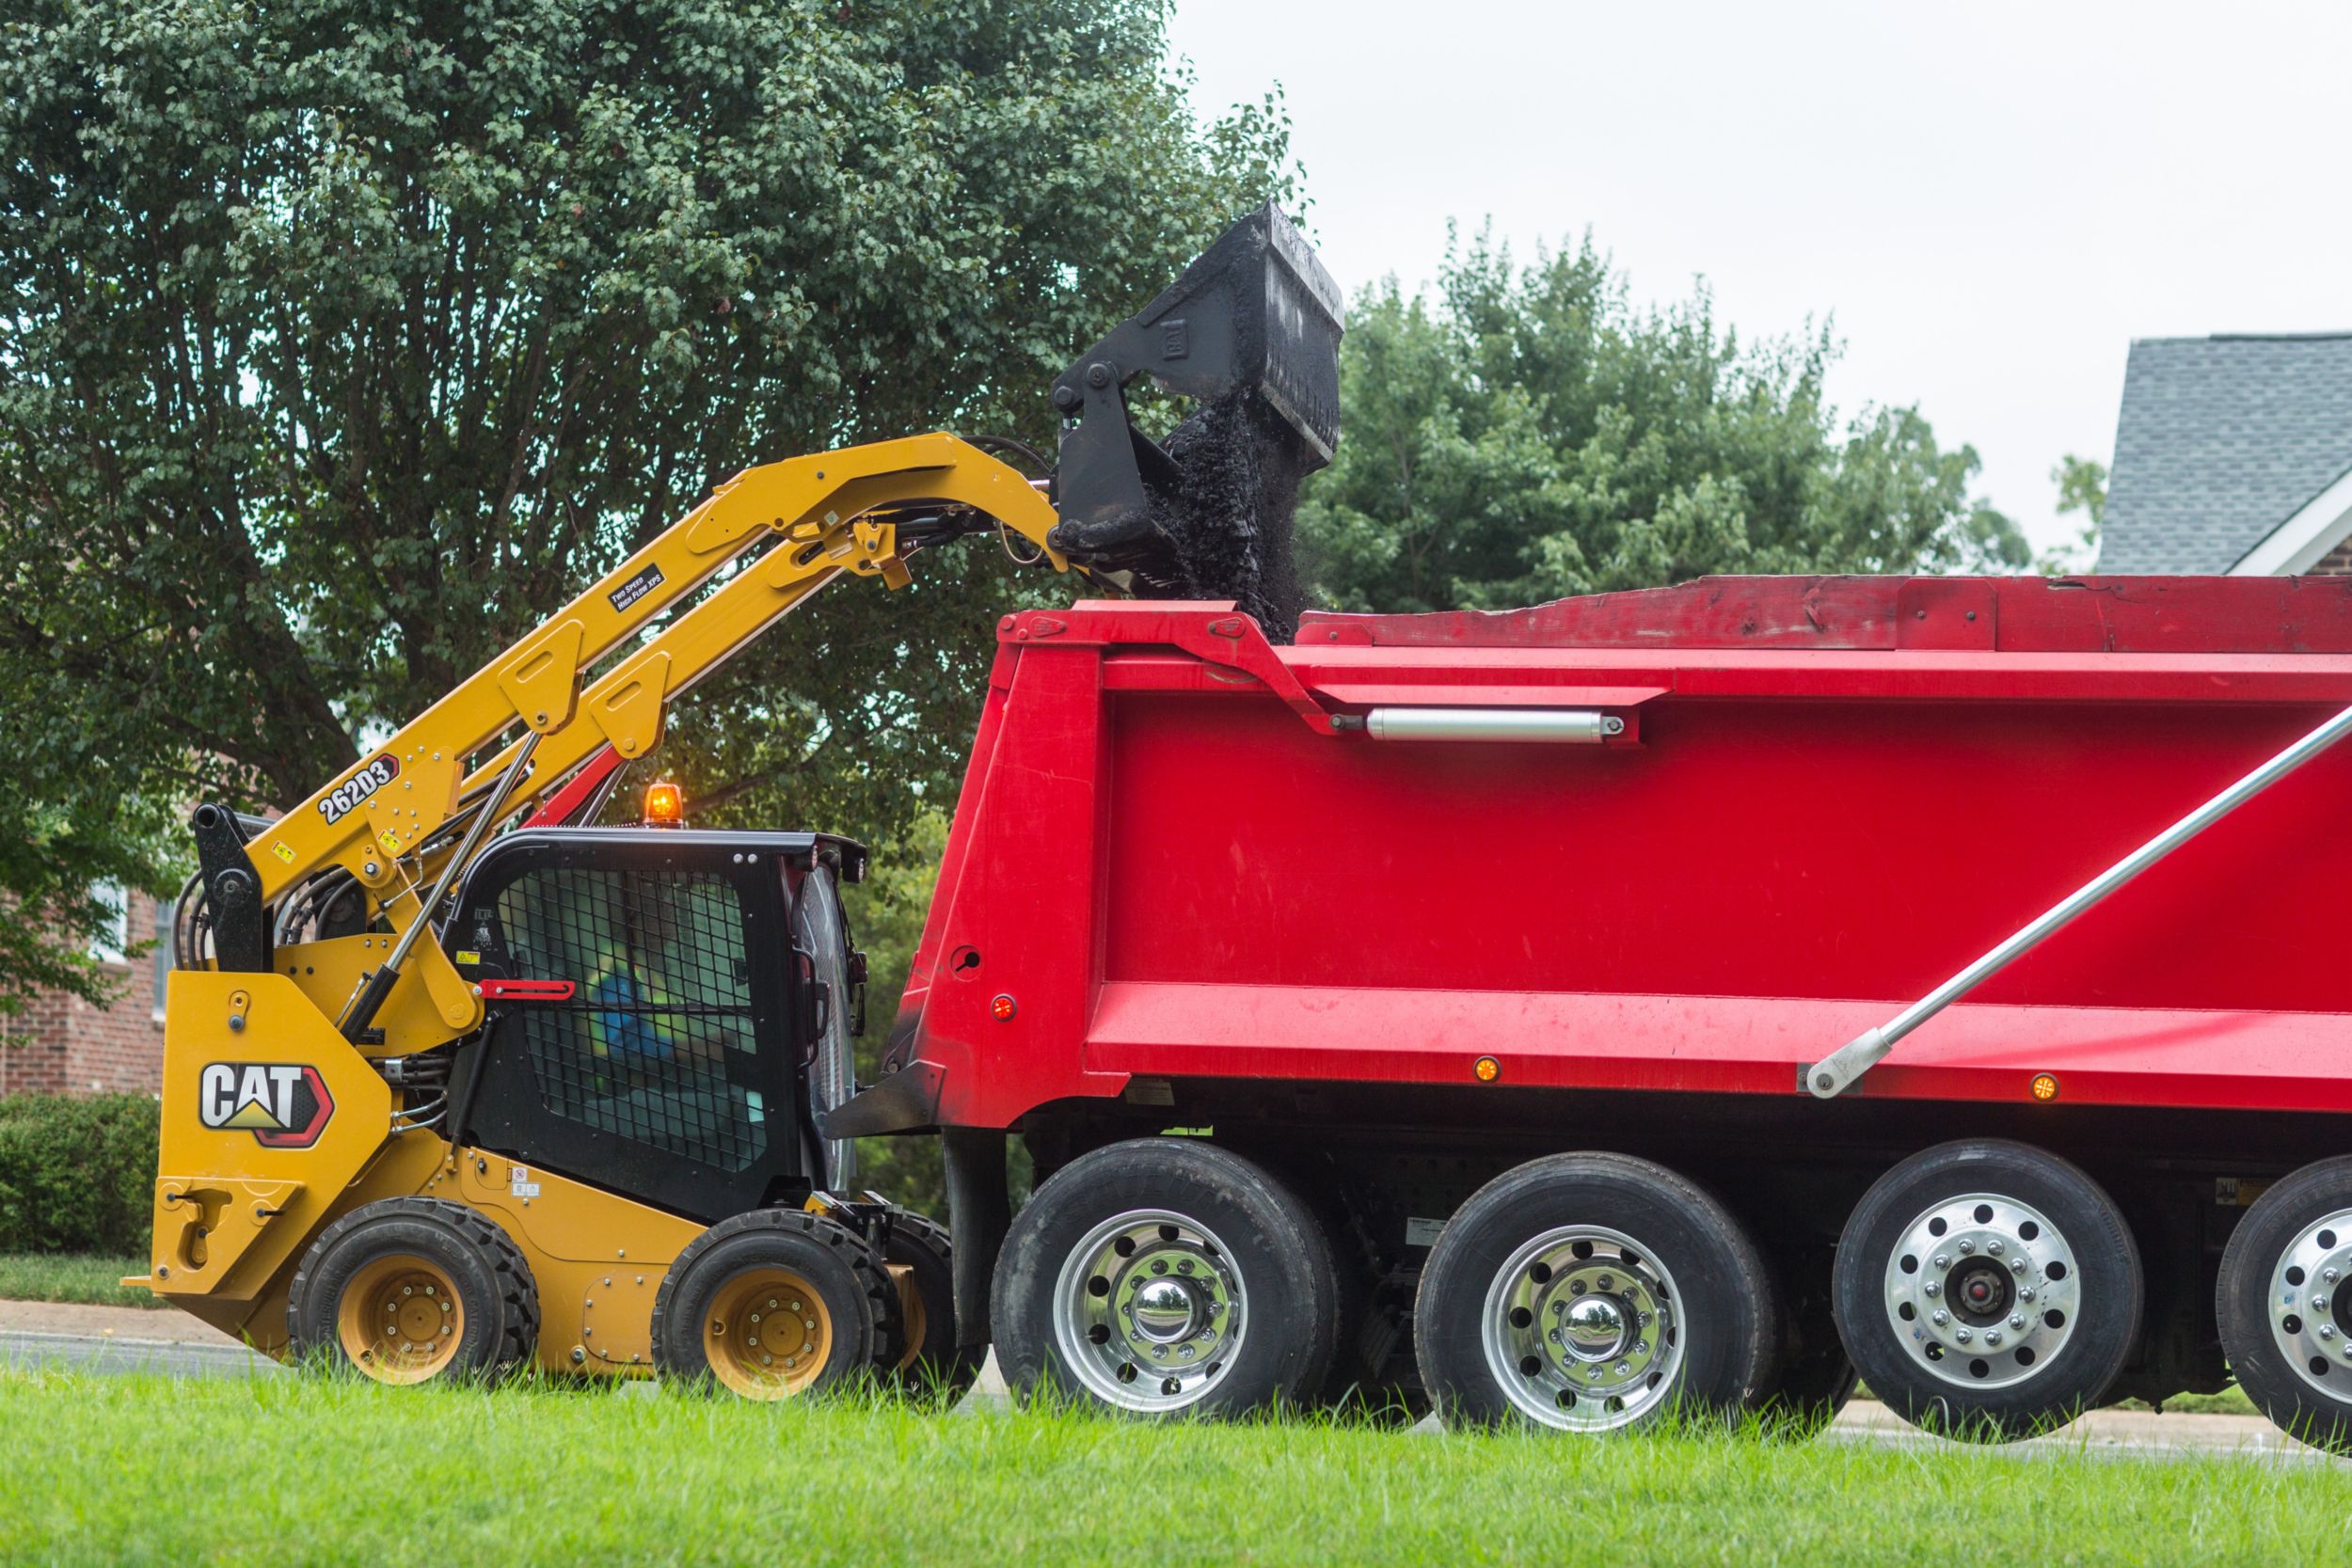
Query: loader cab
x,y
668,1010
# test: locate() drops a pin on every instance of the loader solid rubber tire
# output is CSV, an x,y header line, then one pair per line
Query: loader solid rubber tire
x,y
2106,1317
1284,1264
932,1363
859,1306
1729,1316
499,1301
2242,1304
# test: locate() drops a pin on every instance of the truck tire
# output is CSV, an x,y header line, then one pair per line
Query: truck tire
x,y
1812,1376
1164,1277
773,1304
1590,1292
932,1364
1987,1290
2284,1303
415,1289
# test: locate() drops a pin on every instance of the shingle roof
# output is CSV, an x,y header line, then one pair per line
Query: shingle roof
x,y
2220,440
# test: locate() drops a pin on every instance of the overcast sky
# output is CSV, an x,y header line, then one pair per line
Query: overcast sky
x,y
1993,200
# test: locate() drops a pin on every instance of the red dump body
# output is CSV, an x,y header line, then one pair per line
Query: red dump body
x,y
1830,795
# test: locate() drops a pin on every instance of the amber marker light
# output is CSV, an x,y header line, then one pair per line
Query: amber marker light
x,y
1003,1007
665,805
2045,1087
1487,1068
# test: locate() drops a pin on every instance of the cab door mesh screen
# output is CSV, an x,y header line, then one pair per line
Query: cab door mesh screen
x,y
657,1044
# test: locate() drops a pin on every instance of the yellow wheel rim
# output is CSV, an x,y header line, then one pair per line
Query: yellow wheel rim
x,y
769,1336
400,1319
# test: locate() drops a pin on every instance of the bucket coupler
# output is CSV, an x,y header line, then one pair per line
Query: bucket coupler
x,y
1255,318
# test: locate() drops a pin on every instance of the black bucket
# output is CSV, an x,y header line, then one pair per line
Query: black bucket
x,y
1251,331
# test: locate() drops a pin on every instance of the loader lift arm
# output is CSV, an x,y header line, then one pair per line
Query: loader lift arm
x,y
398,821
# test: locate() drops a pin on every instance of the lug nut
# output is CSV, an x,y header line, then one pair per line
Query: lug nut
x,y
1992,1335
2327,1275
1943,1260
1962,1334
1939,1319
2017,1265
1965,1246
2024,1292
1931,1289
2016,1320
2326,1331
1993,1246
2319,1304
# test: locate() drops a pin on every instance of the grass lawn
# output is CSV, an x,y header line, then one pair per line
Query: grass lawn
x,y
314,1469
71,1276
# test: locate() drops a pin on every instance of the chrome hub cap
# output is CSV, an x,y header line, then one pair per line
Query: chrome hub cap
x,y
1982,1290
1149,1310
1580,1329
2310,1320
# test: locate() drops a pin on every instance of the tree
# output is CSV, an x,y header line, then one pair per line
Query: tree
x,y
340,339
2082,488
1529,435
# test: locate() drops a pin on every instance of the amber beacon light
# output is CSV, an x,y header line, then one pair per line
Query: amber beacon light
x,y
665,805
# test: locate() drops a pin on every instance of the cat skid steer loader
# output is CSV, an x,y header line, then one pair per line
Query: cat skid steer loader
x,y
453,1083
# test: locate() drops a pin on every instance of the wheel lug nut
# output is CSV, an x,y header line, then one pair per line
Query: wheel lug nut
x,y
1993,1246
1992,1335
2016,1320
2025,1293
2017,1265
1931,1289
1943,1260
2319,1304
1962,1334
1965,1246
2327,1275
1939,1319
2326,1331
1604,1282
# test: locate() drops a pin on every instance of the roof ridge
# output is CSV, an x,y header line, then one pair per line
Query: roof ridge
x,y
2254,338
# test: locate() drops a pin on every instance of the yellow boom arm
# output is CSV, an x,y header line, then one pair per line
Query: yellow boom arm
x,y
382,821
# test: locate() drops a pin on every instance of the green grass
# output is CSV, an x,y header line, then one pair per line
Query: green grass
x,y
328,1470
71,1276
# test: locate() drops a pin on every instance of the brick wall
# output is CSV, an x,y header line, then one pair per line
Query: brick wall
x,y
2336,559
76,1048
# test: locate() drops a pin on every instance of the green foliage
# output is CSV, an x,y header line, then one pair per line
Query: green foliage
x,y
342,339
2082,488
77,1174
90,1279
1528,433
886,913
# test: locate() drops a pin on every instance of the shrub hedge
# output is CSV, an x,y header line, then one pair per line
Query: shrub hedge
x,y
77,1174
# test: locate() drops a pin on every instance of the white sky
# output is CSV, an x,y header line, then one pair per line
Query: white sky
x,y
1993,200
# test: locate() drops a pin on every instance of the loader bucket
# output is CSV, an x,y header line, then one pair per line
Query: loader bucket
x,y
1252,332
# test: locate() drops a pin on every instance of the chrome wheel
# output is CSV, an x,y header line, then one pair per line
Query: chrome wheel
x,y
1149,1310
2310,1305
1579,1329
1982,1290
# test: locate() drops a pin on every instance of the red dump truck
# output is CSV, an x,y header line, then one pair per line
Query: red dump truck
x,y
1489,1007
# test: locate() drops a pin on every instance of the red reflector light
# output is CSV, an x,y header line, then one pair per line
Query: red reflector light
x,y
1003,1007
665,806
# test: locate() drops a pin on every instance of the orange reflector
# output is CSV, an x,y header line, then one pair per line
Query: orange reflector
x,y
1003,1007
1487,1068
2044,1086
665,806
